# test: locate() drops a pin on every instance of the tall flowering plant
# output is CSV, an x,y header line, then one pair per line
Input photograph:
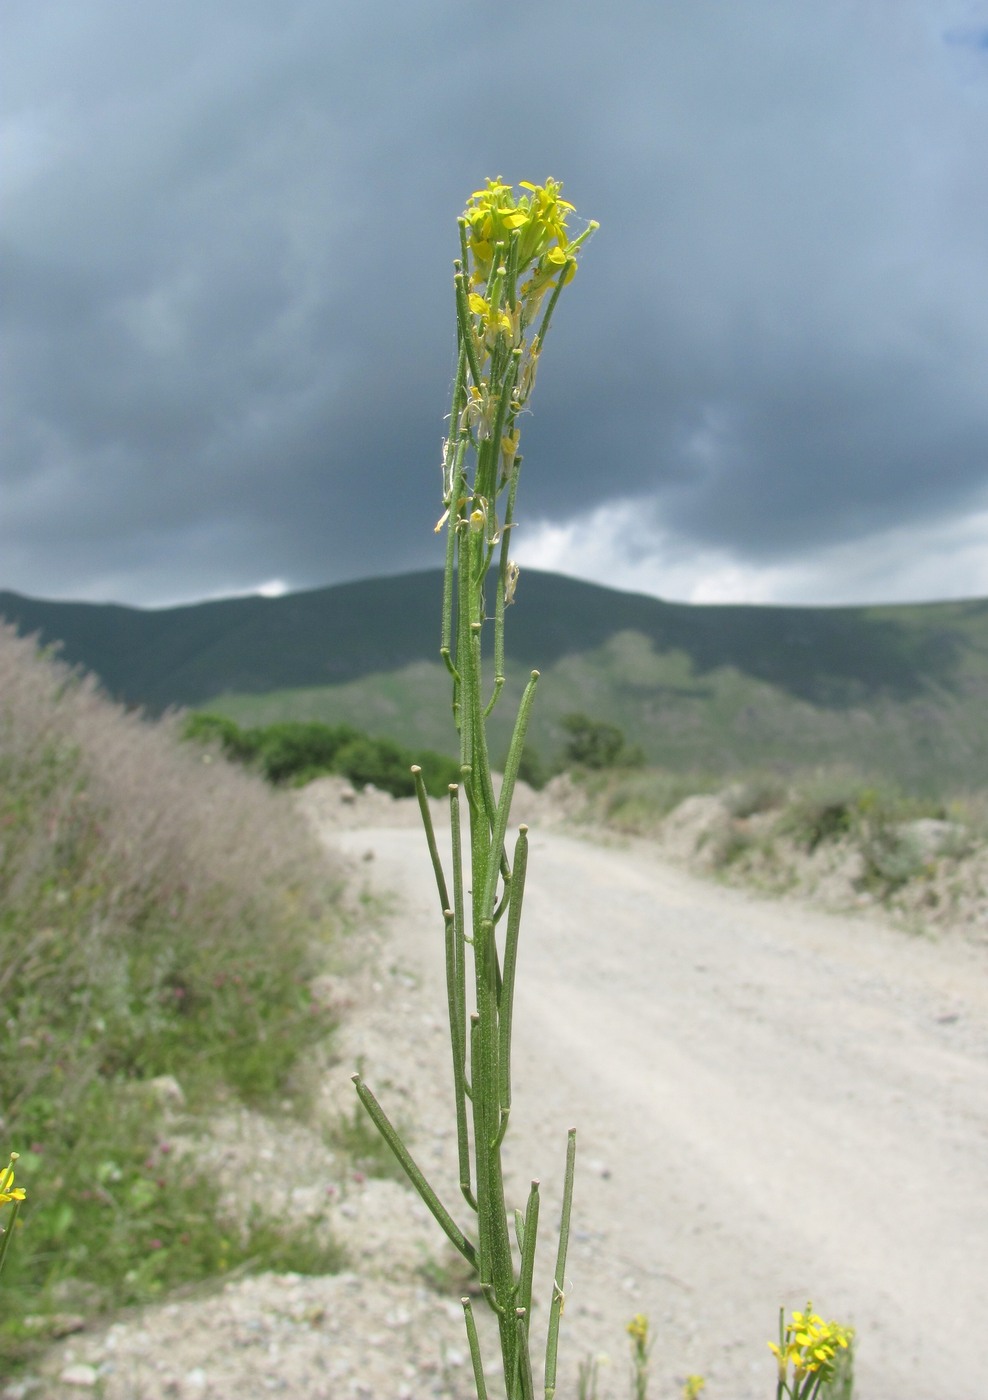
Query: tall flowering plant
x,y
516,256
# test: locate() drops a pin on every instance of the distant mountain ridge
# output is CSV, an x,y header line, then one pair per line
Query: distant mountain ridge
x,y
188,655
714,687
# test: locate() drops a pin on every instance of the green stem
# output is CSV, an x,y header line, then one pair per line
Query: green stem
x,y
511,767
502,588
481,757
454,441
456,1041
459,916
556,292
464,650
453,507
466,326
506,1004
511,281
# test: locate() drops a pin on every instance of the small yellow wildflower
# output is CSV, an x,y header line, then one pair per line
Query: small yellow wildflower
x,y
8,1191
509,451
539,217
693,1386
493,322
638,1329
809,1345
640,1349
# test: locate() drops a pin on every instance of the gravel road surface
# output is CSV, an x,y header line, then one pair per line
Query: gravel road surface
x,y
773,1104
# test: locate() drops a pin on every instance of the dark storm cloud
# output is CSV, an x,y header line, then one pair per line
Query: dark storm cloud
x,y
228,242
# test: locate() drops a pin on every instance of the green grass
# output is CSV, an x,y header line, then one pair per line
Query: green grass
x,y
116,1218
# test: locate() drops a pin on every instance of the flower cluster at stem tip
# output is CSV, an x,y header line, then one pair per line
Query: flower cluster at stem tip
x,y
515,248
537,221
539,218
637,1330
8,1191
810,1345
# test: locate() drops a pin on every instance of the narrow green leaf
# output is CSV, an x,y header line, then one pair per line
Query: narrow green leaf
x,y
527,1246
387,1130
559,1278
430,836
479,1381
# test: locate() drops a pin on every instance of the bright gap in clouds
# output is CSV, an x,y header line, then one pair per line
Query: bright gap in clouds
x,y
622,546
272,588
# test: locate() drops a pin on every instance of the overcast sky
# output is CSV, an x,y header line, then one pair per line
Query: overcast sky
x,y
228,231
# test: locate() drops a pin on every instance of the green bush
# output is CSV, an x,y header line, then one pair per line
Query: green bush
x,y
294,752
235,742
825,810
379,762
593,743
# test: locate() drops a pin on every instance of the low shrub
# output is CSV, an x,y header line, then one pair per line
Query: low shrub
x,y
294,752
755,796
593,743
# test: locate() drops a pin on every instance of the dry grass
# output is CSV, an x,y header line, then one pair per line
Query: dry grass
x,y
160,912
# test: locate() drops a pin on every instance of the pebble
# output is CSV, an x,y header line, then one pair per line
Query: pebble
x,y
80,1375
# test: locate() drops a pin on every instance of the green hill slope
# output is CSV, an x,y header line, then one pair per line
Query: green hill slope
x,y
900,690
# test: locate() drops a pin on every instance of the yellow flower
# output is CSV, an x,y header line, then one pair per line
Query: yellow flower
x,y
8,1191
509,450
539,218
494,321
810,1345
638,1329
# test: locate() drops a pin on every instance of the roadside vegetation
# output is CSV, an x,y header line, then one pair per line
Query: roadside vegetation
x,y
830,834
161,919
293,752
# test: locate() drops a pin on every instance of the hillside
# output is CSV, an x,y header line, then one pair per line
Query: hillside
x,y
898,688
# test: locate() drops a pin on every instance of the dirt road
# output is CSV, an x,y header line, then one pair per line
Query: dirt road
x,y
773,1105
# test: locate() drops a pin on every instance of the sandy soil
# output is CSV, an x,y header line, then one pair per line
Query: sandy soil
x,y
773,1104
